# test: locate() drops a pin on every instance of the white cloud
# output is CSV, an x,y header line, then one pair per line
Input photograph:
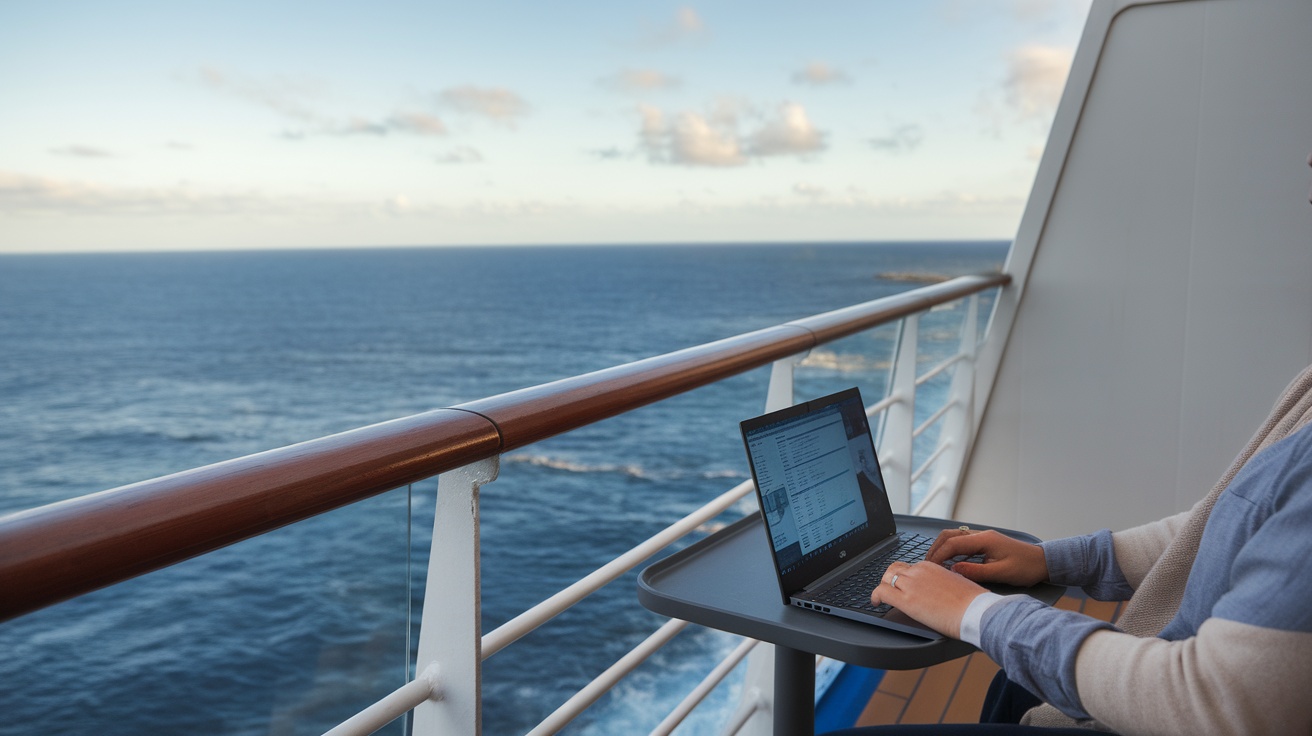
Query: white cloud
x,y
39,213
803,189
494,103
687,25
688,139
792,132
1028,92
418,123
459,155
608,154
22,194
818,74
290,100
901,139
79,151
653,132
397,205
640,80
283,96
688,21
359,126
1035,78
695,139
855,199
413,123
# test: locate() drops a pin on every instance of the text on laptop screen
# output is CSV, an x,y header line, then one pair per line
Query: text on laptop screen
x,y
809,471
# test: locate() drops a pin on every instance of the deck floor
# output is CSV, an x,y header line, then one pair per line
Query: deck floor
x,y
951,692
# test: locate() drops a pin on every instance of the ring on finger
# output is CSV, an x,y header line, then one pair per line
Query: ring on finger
x,y
893,582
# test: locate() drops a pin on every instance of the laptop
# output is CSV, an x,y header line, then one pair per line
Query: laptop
x,y
826,510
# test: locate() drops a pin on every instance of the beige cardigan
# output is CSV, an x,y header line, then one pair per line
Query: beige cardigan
x,y
1134,683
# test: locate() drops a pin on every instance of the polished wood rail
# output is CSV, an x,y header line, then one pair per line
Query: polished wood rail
x,y
55,552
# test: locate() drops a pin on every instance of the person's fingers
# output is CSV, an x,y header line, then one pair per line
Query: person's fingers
x,y
887,591
981,572
941,539
963,543
895,568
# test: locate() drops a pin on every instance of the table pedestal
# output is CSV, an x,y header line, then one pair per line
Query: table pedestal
x,y
794,692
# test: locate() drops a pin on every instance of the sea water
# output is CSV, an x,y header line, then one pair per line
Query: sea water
x,y
119,368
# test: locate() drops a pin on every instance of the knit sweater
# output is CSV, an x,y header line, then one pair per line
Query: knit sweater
x,y
1226,649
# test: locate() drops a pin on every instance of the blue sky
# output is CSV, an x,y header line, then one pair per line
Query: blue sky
x,y
188,125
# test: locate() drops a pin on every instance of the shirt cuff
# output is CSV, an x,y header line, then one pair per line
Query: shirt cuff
x,y
974,616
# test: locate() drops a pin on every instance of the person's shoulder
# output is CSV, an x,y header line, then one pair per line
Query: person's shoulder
x,y
1280,474
1292,469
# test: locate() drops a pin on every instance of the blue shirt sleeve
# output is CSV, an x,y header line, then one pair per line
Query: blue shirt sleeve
x,y
1036,645
1087,562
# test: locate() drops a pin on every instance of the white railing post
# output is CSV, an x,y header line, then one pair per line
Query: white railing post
x,y
758,686
896,442
958,423
780,393
450,634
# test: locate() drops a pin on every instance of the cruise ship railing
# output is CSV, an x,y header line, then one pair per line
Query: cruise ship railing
x,y
62,550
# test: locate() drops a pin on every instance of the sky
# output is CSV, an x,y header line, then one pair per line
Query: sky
x,y
205,125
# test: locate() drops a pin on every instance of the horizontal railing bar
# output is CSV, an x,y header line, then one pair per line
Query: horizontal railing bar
x,y
753,703
929,374
606,680
704,688
534,617
933,418
883,404
924,502
831,326
396,704
55,552
930,461
534,414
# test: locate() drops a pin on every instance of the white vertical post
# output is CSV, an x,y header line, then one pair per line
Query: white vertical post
x,y
900,419
450,633
755,711
780,393
958,422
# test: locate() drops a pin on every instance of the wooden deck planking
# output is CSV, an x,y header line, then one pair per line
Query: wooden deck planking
x,y
931,698
968,700
951,692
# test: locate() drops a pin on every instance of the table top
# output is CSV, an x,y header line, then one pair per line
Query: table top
x,y
727,581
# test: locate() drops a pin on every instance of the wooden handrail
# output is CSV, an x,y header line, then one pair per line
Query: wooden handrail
x,y
55,552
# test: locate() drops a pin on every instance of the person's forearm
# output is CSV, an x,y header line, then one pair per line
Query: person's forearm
x,y
1037,646
1087,562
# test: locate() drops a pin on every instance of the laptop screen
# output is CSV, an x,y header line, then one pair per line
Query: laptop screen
x,y
821,492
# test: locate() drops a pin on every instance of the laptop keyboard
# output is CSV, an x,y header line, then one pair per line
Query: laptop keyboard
x,y
853,592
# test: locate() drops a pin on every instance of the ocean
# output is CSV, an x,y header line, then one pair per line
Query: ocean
x,y
121,367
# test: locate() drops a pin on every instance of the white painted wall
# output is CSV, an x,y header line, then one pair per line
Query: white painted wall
x,y
1164,266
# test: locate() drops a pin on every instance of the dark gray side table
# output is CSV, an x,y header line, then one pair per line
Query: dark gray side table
x,y
727,581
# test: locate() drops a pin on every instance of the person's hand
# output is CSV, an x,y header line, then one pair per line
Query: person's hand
x,y
1006,560
928,592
